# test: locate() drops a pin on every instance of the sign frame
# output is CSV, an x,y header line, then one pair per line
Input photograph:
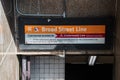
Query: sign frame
x,y
28,20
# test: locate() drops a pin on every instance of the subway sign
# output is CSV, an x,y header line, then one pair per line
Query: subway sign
x,y
36,33
64,34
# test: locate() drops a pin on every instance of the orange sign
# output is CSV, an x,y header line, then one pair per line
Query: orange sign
x,y
64,29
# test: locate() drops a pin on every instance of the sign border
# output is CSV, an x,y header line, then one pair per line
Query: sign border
x,y
108,21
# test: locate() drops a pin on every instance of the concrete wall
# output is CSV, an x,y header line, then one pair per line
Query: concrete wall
x,y
9,68
74,8
9,65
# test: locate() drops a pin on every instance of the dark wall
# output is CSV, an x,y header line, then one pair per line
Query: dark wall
x,y
89,8
85,72
74,8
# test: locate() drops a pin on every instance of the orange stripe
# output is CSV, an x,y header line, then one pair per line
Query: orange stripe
x,y
64,29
